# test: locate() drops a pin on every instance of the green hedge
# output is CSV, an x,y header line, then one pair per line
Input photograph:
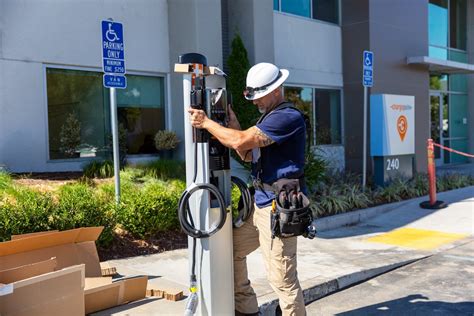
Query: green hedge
x,y
148,206
151,209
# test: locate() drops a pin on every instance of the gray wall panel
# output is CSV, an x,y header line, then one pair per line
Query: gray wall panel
x,y
355,39
393,30
398,30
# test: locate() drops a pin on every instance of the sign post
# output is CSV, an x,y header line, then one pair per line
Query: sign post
x,y
113,65
367,81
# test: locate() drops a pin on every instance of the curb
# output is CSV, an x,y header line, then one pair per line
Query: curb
x,y
323,289
354,217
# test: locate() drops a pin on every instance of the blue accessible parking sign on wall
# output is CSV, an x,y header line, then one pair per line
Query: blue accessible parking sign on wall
x,y
368,69
113,55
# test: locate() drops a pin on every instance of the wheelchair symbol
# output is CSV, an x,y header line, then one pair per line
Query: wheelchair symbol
x,y
111,35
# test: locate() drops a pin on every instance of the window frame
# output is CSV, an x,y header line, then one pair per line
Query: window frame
x,y
313,127
166,105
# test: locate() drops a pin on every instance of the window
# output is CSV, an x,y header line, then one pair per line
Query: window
x,y
447,29
323,10
141,112
323,107
79,115
449,115
328,116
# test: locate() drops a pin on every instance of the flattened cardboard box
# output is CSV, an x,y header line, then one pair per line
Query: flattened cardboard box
x,y
54,293
27,271
101,294
70,247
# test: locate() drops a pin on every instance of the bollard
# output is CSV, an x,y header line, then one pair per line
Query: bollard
x,y
432,203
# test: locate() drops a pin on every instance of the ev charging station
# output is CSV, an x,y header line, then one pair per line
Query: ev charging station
x,y
205,207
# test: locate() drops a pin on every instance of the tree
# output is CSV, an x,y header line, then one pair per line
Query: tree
x,y
238,67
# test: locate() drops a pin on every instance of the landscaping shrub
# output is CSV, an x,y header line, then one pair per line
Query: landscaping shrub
x,y
99,169
23,210
314,170
150,209
164,169
5,181
79,205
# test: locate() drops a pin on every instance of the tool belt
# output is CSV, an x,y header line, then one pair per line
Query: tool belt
x,y
291,215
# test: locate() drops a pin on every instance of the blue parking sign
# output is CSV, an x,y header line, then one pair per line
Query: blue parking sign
x,y
114,81
113,52
368,69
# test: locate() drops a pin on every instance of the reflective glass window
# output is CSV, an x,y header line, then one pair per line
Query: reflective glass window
x,y
297,7
458,22
276,5
79,115
438,22
328,116
302,98
141,112
326,10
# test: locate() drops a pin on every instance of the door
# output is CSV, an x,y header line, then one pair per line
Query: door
x,y
438,123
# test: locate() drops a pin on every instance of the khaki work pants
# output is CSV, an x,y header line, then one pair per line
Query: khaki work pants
x,y
279,256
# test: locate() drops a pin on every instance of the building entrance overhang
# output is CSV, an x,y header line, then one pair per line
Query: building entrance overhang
x,y
442,66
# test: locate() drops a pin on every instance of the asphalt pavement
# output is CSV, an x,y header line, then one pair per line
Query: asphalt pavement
x,y
350,248
438,285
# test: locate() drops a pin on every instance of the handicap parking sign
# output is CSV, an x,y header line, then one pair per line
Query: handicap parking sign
x,y
113,52
367,69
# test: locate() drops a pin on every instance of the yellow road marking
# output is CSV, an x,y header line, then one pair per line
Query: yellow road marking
x,y
416,238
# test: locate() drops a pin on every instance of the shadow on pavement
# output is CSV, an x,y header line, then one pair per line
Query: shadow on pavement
x,y
414,305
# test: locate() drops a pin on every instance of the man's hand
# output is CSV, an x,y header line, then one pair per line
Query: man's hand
x,y
233,122
197,118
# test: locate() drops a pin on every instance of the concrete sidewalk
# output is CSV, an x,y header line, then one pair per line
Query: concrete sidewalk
x,y
375,242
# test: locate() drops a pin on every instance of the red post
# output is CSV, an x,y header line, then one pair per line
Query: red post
x,y
432,203
431,172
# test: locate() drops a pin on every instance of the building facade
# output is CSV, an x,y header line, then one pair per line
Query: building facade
x,y
54,111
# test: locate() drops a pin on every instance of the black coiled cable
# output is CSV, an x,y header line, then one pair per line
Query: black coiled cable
x,y
245,206
184,213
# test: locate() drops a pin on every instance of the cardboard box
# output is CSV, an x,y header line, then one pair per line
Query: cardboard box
x,y
70,247
27,271
38,254
54,293
102,294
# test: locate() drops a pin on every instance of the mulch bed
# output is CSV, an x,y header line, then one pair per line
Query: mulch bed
x,y
125,245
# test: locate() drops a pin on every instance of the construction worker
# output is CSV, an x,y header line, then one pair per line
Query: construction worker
x,y
275,146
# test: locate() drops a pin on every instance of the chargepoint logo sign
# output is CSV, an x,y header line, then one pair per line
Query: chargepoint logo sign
x,y
392,124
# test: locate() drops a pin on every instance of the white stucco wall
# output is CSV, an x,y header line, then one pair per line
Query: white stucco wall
x,y
34,33
311,50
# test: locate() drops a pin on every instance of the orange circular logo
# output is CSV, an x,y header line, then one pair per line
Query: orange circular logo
x,y
402,126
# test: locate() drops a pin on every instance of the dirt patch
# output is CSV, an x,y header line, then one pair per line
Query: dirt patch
x,y
125,245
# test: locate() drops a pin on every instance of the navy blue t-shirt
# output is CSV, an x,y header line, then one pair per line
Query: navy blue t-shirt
x,y
285,157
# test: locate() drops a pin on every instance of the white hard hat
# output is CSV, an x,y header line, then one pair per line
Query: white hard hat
x,y
262,79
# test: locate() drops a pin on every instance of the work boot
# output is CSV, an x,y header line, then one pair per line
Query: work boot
x,y
237,313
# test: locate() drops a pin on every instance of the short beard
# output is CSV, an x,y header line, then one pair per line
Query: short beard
x,y
262,110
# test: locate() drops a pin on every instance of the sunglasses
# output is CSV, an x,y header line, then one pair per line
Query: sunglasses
x,y
249,92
